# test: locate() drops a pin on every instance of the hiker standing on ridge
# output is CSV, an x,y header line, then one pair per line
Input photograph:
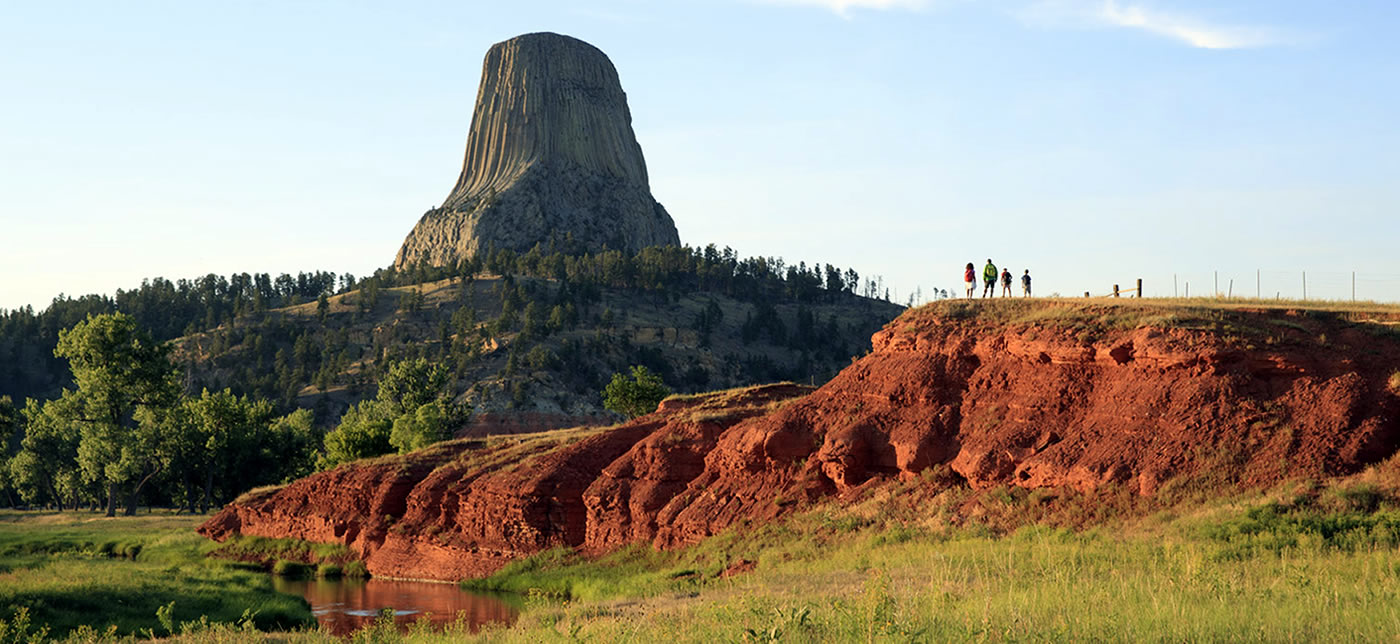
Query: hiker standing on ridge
x,y
970,277
1026,283
989,278
1006,282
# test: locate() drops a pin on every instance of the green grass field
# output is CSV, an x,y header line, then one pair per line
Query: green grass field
x,y
1307,567
81,574
1300,563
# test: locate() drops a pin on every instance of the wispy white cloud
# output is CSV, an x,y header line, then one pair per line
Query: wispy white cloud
x,y
844,7
1190,30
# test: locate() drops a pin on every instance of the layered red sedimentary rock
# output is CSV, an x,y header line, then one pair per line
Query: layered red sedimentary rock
x,y
1089,397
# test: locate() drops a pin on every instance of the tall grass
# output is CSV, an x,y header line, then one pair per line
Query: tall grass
x,y
1303,562
1037,584
1320,570
1034,587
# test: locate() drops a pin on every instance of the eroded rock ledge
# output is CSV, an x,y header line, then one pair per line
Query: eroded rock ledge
x,y
1049,399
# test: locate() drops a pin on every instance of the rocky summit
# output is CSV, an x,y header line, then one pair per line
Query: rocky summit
x,y
551,156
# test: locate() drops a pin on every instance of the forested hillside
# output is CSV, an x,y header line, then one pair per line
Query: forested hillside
x,y
532,338
190,392
165,309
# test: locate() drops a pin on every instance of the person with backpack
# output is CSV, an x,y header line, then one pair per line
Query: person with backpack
x,y
970,277
1006,282
989,278
1026,283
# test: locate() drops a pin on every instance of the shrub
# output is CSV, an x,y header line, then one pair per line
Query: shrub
x,y
363,432
291,569
355,570
328,571
1365,497
897,534
421,428
635,396
20,628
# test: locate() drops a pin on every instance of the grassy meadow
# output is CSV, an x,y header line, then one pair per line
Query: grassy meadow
x,y
80,574
1301,563
1304,562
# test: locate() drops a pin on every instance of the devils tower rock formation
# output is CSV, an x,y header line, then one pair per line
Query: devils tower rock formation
x,y
551,154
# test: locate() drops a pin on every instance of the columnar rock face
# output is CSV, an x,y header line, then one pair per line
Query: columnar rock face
x,y
551,155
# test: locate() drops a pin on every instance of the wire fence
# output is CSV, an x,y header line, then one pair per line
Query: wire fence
x,y
1337,286
1351,286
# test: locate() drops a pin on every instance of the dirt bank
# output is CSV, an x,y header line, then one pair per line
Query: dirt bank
x,y
1153,399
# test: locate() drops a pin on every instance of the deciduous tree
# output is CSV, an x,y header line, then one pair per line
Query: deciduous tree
x,y
637,395
118,370
413,408
46,467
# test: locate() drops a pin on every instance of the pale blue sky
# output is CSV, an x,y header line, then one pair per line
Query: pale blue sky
x,y
1091,141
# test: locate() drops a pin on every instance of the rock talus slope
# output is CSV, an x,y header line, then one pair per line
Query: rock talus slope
x,y
1066,397
550,155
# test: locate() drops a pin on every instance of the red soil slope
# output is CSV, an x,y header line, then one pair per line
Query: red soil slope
x,y
1025,394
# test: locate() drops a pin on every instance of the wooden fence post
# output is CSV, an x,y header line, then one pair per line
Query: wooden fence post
x,y
1115,290
1139,287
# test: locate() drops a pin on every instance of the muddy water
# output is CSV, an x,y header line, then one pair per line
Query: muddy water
x,y
342,606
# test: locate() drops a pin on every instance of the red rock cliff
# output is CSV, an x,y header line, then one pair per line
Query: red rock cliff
x,y
1026,394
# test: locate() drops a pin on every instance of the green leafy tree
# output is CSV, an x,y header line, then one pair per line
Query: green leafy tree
x,y
224,442
292,446
413,408
422,427
637,395
11,433
46,467
118,370
409,384
363,432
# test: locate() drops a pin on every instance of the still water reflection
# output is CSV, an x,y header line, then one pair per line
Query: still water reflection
x,y
342,606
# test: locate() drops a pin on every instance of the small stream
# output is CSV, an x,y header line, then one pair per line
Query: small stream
x,y
344,605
